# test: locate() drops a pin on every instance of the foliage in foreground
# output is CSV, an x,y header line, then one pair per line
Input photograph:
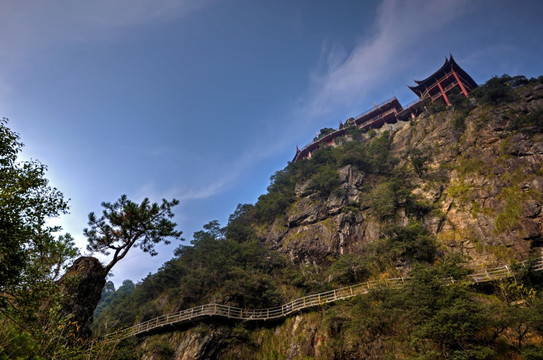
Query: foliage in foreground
x,y
424,320
237,271
32,256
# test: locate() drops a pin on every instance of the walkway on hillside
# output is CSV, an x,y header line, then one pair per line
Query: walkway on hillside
x,y
230,312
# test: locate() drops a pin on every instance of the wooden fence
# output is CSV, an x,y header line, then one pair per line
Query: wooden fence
x,y
230,312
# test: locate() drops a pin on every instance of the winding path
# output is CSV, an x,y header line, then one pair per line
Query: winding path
x,y
230,312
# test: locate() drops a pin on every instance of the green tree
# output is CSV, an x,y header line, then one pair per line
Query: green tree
x,y
381,158
323,132
419,159
499,89
239,223
411,243
109,295
30,253
349,269
325,181
125,224
32,256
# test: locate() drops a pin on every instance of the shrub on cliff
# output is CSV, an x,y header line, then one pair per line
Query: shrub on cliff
x,y
499,89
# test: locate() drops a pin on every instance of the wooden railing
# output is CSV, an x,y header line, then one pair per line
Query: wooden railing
x,y
363,124
230,312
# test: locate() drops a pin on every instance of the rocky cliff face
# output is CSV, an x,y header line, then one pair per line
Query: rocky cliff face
x,y
484,177
82,286
198,343
481,180
315,228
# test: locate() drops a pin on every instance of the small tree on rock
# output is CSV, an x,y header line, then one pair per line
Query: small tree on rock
x,y
419,159
125,224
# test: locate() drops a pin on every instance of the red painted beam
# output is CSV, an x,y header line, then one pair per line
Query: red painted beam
x,y
443,93
460,84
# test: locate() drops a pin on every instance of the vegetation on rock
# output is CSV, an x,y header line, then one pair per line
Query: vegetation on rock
x,y
457,189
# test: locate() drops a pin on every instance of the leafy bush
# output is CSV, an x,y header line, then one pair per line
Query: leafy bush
x,y
354,132
499,89
349,269
533,121
323,132
383,200
411,243
532,353
325,181
511,214
160,348
355,154
381,159
419,159
434,107
386,198
239,272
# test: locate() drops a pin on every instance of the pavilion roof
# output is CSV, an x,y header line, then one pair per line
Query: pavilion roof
x,y
449,65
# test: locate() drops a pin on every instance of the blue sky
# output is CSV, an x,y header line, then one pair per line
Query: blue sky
x,y
204,100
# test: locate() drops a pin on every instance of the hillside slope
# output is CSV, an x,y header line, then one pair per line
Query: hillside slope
x,y
479,174
456,189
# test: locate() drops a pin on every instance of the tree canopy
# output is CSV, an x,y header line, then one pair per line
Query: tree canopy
x,y
125,224
29,250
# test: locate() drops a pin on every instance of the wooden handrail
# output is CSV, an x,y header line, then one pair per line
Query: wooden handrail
x,y
231,312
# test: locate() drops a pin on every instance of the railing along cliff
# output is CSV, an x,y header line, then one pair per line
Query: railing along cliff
x,y
230,312
367,123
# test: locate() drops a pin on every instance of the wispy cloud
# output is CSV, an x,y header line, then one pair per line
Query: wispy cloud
x,y
216,179
399,26
209,189
340,79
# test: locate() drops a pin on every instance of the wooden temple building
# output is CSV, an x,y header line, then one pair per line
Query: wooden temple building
x,y
443,81
450,78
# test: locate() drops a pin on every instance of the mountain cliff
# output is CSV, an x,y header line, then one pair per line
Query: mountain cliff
x,y
456,189
475,172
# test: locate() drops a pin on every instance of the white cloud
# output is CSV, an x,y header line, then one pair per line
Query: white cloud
x,y
399,24
207,190
340,79
223,177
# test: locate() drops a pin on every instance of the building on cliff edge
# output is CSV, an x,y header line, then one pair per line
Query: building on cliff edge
x,y
447,80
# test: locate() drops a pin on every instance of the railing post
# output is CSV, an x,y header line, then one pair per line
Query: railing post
x,y
487,274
